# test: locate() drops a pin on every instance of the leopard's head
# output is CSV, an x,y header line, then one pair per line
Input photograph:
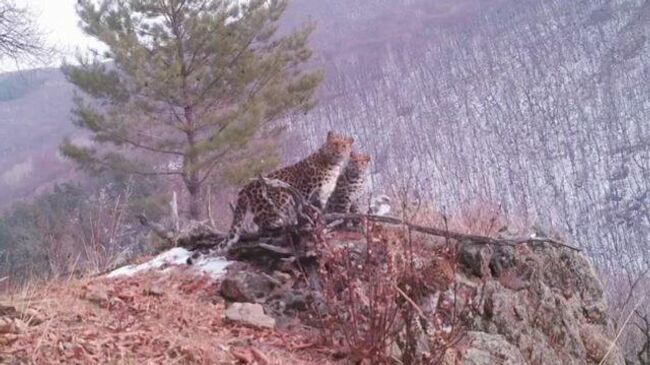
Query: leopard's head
x,y
338,147
359,161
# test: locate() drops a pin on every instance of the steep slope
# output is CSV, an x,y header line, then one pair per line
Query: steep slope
x,y
34,118
539,105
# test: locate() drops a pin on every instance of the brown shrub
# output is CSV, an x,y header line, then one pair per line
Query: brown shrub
x,y
391,298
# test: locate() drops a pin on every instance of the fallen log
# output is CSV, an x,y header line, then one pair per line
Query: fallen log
x,y
445,233
251,241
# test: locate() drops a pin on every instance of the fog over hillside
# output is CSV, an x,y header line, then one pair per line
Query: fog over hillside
x,y
543,106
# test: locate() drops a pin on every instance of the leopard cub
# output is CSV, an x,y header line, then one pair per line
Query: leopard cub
x,y
313,177
350,185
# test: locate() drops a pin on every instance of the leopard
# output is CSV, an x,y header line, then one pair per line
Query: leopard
x,y
314,178
350,185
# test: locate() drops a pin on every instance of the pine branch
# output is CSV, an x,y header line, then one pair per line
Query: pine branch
x,y
146,147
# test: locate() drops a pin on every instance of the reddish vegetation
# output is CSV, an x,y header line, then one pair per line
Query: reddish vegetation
x,y
375,291
162,319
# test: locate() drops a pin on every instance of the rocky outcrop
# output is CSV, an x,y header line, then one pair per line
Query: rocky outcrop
x,y
545,303
533,303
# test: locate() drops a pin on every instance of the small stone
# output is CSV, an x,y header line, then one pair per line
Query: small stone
x,y
596,313
97,295
155,290
250,315
246,286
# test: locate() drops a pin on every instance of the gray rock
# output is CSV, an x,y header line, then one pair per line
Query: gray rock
x,y
295,299
247,286
250,315
97,294
475,258
155,290
502,259
485,349
546,302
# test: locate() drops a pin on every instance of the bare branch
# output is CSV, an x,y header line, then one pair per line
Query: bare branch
x,y
20,38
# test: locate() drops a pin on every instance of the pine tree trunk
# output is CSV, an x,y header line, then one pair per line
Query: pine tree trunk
x,y
194,188
195,200
192,180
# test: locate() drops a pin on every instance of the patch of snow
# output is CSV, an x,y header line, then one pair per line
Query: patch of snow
x,y
212,266
380,205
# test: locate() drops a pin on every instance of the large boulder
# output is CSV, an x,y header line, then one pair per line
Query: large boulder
x,y
546,302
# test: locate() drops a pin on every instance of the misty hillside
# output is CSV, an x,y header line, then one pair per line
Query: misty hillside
x,y
34,117
541,106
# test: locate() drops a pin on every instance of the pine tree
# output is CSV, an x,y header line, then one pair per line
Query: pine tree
x,y
196,82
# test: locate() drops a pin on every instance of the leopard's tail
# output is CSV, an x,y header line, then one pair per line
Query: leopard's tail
x,y
237,222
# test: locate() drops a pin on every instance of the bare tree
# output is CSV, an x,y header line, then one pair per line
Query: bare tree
x,y
20,37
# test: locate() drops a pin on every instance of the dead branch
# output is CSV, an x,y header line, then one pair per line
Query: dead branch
x,y
310,220
450,234
20,36
174,211
207,240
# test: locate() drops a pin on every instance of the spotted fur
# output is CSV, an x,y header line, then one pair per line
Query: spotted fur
x,y
314,177
350,185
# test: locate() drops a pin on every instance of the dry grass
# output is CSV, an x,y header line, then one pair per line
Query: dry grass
x,y
154,318
374,295
479,217
625,289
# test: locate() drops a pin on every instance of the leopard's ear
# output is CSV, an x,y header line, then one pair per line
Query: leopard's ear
x,y
362,157
330,135
350,140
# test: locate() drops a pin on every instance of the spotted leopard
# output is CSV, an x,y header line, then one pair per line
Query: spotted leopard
x,y
350,185
314,177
